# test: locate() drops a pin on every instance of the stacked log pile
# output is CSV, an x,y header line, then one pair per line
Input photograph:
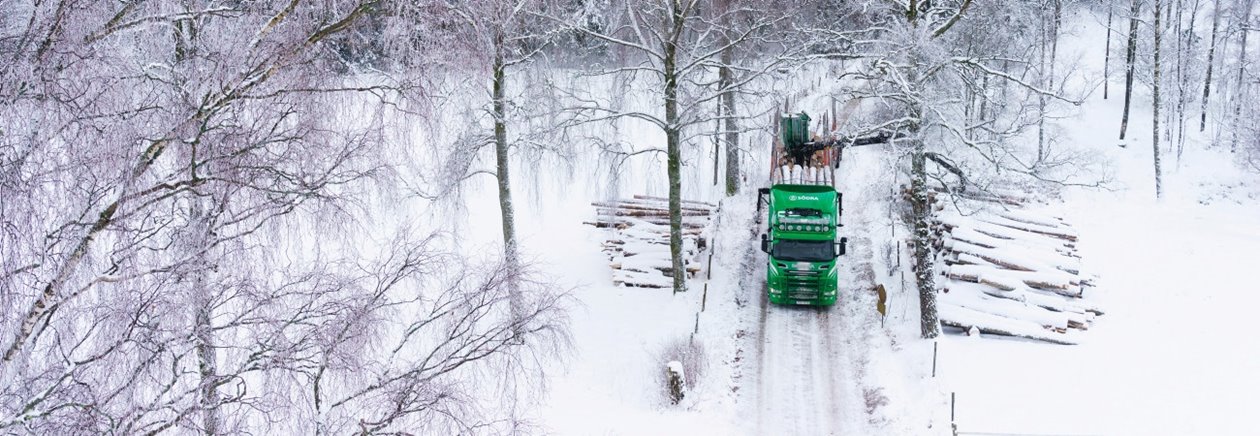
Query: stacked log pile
x,y
802,175
1010,270
638,244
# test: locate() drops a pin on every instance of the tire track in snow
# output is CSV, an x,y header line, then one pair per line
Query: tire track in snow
x,y
810,365
794,384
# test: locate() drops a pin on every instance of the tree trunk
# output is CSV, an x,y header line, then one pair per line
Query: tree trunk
x,y
673,148
732,129
510,256
1207,80
717,143
1129,59
195,244
726,82
1107,55
1167,122
921,231
1055,27
1155,102
1050,35
1183,88
982,112
207,366
1043,34
1240,91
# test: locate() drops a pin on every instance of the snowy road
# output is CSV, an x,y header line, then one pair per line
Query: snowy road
x,y
806,374
795,384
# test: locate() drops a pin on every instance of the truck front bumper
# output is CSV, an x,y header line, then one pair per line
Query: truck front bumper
x,y
803,298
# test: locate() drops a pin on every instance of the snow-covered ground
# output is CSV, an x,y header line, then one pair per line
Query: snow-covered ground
x,y
1175,353
769,370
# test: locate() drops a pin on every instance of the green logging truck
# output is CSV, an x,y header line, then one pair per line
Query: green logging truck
x,y
803,218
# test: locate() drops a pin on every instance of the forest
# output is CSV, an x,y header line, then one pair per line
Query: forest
x,y
208,207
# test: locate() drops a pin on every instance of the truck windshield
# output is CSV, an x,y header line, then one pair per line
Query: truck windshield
x,y
803,251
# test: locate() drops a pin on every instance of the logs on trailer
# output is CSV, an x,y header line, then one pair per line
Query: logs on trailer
x,y
1011,270
638,247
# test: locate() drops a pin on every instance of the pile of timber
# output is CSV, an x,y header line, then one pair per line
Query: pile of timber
x,y
638,244
1012,270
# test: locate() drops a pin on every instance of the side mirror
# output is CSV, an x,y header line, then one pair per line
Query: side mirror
x,y
842,246
765,243
839,208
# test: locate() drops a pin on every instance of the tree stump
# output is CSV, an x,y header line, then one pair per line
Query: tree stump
x,y
676,381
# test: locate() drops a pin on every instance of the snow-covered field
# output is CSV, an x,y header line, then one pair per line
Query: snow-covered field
x,y
1175,353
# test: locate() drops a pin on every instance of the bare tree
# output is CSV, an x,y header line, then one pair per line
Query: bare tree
x,y
496,36
1130,58
1186,42
726,81
1155,100
146,262
1107,52
924,62
1207,79
1244,11
903,79
677,47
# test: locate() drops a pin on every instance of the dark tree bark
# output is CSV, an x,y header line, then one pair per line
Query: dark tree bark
x,y
198,238
1129,59
1043,66
511,257
1240,92
1185,41
921,209
1207,80
1050,36
1155,102
717,143
1107,55
732,124
672,147
726,82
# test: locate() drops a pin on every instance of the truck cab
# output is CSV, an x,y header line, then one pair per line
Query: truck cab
x,y
801,243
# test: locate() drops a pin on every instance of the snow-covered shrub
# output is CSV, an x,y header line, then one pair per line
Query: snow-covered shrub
x,y
691,354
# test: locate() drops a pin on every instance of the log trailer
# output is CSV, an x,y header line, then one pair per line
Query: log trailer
x,y
803,216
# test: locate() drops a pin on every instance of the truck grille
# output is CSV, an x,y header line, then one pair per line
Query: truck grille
x,y
802,284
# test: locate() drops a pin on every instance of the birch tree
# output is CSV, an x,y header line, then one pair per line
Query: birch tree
x,y
492,37
726,81
1107,51
156,159
1130,59
923,63
1207,79
677,47
1155,100
905,79
1244,11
